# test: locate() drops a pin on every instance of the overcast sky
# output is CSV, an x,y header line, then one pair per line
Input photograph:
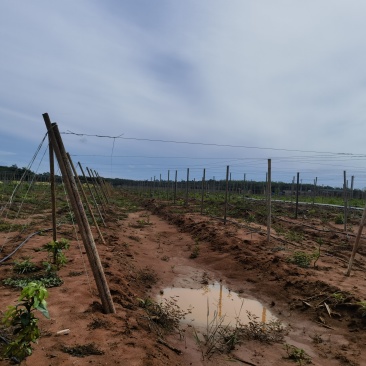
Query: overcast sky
x,y
280,80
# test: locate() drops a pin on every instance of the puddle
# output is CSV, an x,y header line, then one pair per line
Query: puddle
x,y
217,298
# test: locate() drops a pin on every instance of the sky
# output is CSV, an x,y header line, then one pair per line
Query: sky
x,y
191,84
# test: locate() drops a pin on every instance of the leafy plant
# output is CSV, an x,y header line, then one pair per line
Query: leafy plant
x,y
294,236
25,266
55,251
196,250
316,254
301,259
164,316
25,325
362,305
339,219
297,355
339,297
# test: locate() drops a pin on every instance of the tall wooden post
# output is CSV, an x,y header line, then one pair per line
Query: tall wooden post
x,y
167,187
357,242
297,194
345,200
187,187
175,187
203,189
95,186
92,194
81,219
53,189
226,193
100,183
85,198
269,195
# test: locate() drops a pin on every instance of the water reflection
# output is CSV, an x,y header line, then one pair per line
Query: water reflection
x,y
216,298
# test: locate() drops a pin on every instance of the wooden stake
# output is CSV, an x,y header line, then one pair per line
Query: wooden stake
x,y
92,194
85,198
345,200
226,193
81,219
203,189
357,242
187,187
53,190
297,194
269,194
175,186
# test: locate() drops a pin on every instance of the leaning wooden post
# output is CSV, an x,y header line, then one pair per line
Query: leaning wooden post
x,y
345,200
98,180
53,192
203,189
96,189
357,242
81,219
226,191
92,194
297,194
85,198
269,194
103,185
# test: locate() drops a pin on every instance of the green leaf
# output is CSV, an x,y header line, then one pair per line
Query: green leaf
x,y
42,307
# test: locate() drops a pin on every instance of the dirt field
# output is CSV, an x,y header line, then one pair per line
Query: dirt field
x,y
151,249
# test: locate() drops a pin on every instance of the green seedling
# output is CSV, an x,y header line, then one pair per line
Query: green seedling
x,y
55,251
23,321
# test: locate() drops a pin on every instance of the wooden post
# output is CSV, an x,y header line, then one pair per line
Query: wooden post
x,y
96,189
187,187
315,183
352,183
226,192
203,190
85,198
357,242
81,219
167,187
345,200
100,183
269,194
92,194
104,185
175,187
297,194
53,189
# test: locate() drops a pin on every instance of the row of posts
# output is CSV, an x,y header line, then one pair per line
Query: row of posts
x,y
72,181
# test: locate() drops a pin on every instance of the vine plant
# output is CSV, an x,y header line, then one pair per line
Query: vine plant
x,y
23,321
55,250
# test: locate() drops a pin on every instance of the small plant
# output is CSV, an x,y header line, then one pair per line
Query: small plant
x,y
25,266
316,254
294,236
195,251
339,219
301,259
82,350
297,355
55,251
164,316
338,297
25,325
362,307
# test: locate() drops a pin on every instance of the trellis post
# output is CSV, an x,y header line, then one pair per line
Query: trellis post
x,y
81,219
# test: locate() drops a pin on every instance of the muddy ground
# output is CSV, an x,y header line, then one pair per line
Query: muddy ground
x,y
151,249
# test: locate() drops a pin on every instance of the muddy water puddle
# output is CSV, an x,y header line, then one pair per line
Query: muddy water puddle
x,y
215,300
